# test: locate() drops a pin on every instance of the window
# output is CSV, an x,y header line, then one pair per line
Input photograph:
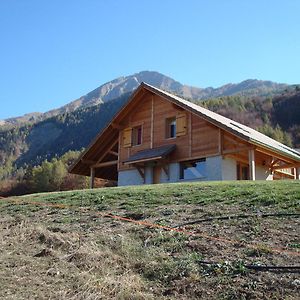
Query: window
x,y
176,126
193,169
132,136
171,128
136,135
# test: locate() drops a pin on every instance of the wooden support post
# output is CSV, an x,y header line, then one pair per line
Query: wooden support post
x,y
152,122
274,162
221,138
190,134
119,150
113,153
252,164
297,174
106,164
92,178
286,166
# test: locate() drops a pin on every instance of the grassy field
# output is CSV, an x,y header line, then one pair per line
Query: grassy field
x,y
65,246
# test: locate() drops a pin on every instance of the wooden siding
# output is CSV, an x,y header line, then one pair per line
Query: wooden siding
x,y
162,110
205,138
141,115
201,139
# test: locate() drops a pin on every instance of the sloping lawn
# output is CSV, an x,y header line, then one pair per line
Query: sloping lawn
x,y
67,246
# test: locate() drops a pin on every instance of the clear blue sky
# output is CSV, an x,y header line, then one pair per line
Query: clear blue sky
x,y
52,52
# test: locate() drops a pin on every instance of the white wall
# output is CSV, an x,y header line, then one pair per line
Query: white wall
x,y
217,168
229,169
129,177
213,171
174,173
148,175
133,177
262,173
213,168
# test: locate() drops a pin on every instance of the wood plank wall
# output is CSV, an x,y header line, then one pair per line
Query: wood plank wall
x,y
204,140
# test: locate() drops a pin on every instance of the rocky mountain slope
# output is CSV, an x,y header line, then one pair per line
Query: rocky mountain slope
x,y
119,86
122,85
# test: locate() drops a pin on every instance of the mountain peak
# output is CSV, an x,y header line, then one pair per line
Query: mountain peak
x,y
127,84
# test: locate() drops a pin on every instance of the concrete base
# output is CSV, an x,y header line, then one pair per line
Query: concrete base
x,y
174,173
129,177
217,168
213,168
229,169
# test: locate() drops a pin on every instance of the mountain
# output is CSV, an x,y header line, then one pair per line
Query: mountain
x,y
119,86
272,108
122,85
31,117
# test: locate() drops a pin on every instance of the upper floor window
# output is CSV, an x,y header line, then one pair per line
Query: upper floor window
x,y
136,136
132,136
171,127
176,126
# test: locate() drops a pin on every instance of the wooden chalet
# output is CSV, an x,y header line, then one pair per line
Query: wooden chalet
x,y
159,137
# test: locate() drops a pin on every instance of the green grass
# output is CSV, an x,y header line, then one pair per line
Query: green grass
x,y
279,194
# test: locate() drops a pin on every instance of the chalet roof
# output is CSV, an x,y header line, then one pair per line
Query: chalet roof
x,y
245,132
150,154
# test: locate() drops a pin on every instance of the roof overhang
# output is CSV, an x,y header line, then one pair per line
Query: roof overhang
x,y
150,155
108,135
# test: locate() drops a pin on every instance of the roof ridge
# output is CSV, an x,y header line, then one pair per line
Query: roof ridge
x,y
251,134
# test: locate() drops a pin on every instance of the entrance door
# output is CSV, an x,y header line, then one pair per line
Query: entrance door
x,y
156,174
242,171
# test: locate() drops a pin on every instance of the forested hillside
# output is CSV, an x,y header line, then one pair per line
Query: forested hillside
x,y
32,143
37,150
277,117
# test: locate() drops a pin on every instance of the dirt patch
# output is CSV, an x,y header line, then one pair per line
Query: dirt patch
x,y
44,252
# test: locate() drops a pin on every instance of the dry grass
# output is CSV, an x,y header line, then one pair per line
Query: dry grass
x,y
37,263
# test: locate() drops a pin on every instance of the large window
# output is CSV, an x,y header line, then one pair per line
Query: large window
x,y
193,169
170,128
136,135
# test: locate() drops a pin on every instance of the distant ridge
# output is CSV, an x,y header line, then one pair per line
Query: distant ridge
x,y
122,85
